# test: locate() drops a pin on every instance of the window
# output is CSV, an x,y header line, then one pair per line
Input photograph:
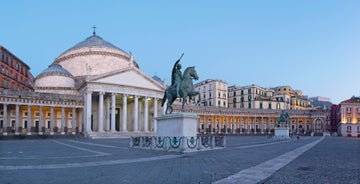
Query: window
x,y
242,92
224,104
242,105
219,103
249,91
269,105
17,66
209,103
234,93
224,95
348,128
219,94
242,99
261,106
278,106
249,105
234,100
348,110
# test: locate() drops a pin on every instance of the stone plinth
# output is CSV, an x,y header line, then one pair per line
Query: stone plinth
x,y
177,125
281,133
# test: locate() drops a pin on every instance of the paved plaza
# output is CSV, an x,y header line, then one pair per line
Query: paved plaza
x,y
246,159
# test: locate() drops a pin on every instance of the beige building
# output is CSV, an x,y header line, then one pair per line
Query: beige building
x,y
298,101
256,97
349,121
213,93
93,88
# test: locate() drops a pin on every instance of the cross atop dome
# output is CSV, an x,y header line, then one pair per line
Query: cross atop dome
x,y
94,27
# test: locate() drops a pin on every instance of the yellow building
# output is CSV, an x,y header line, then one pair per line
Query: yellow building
x,y
298,101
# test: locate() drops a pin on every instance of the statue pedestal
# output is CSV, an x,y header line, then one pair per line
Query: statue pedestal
x,y
281,133
178,130
177,125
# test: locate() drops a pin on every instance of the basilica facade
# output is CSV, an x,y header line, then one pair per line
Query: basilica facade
x,y
94,88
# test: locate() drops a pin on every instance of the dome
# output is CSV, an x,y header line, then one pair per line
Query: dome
x,y
94,56
55,76
55,69
94,41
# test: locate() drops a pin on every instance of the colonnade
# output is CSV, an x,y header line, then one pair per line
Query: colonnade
x,y
113,112
249,124
49,117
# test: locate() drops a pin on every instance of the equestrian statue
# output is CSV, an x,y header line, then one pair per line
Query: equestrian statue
x,y
181,86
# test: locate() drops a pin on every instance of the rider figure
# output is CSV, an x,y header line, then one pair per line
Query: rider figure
x,y
176,76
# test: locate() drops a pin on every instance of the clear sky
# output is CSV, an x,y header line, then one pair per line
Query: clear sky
x,y
311,45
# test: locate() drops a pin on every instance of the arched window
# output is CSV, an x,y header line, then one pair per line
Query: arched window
x,y
278,106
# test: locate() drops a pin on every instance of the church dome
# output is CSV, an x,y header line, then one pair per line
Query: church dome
x,y
55,76
94,56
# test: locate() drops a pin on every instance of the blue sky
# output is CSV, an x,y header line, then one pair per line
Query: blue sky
x,y
311,45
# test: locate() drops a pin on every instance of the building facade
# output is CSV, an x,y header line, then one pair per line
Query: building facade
x,y
298,101
14,73
222,120
349,117
256,97
93,88
213,93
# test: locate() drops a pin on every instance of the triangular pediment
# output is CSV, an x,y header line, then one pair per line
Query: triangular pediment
x,y
128,77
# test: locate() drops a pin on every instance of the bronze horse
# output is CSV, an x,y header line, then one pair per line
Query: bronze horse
x,y
186,90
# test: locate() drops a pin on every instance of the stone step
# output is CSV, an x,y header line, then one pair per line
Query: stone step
x,y
116,135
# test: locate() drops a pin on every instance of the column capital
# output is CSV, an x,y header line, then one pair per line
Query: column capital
x,y
101,92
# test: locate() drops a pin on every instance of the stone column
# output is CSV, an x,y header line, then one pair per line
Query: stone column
x,y
219,124
88,111
101,111
28,119
5,118
51,120
269,125
233,125
136,113
247,125
124,113
262,125
62,120
254,124
205,124
241,118
212,124
73,120
297,125
17,118
146,116
40,120
226,124
291,130
155,114
304,125
113,112
107,127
